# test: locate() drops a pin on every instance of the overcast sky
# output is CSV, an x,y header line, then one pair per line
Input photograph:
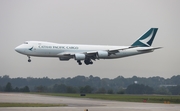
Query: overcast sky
x,y
104,22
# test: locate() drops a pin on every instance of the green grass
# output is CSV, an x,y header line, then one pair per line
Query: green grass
x,y
125,97
29,105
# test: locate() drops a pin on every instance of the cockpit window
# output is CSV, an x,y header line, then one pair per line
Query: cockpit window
x,y
25,42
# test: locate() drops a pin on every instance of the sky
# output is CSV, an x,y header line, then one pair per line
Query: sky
x,y
98,22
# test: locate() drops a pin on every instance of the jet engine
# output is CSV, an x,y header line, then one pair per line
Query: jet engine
x,y
102,54
80,56
64,58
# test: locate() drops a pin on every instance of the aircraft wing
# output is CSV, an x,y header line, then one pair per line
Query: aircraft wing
x,y
110,51
113,51
93,54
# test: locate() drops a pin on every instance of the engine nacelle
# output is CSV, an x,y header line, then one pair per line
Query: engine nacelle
x,y
80,56
64,58
102,54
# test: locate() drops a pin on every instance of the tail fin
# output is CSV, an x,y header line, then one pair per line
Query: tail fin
x,y
146,39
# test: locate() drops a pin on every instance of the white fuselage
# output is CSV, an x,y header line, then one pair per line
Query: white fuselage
x,y
48,49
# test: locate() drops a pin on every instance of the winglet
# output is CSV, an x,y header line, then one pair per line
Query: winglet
x,y
146,39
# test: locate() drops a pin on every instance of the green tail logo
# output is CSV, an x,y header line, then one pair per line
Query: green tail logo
x,y
146,39
31,48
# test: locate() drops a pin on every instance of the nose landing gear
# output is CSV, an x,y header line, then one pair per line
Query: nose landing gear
x,y
29,59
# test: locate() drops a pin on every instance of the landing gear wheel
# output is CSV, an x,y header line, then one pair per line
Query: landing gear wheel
x,y
79,62
88,61
29,59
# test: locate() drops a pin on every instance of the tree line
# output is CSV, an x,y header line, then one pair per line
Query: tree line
x,y
9,88
82,84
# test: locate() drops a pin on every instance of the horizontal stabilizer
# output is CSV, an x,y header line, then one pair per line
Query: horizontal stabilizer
x,y
149,50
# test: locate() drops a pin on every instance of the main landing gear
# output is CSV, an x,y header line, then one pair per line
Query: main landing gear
x,y
79,62
87,62
29,59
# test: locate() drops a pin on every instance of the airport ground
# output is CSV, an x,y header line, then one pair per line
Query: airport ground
x,y
79,104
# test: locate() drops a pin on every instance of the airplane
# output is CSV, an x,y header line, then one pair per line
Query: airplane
x,y
87,53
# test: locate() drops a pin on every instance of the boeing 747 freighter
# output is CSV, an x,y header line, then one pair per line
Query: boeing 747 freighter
x,y
87,53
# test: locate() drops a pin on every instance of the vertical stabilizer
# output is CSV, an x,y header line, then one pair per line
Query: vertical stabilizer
x,y
146,39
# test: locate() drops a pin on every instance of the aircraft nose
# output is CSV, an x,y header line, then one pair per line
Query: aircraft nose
x,y
19,49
